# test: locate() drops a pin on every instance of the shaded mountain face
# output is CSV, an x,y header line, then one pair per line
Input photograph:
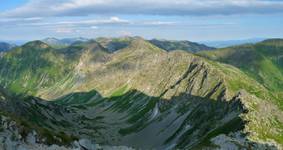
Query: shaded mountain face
x,y
171,99
5,46
115,121
177,123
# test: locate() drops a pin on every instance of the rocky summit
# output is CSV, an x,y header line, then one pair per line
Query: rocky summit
x,y
132,93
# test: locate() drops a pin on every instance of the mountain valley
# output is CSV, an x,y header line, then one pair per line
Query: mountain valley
x,y
132,93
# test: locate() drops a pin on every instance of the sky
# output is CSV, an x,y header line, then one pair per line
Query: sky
x,y
194,20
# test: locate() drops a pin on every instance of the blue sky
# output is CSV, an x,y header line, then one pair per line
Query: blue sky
x,y
10,4
193,20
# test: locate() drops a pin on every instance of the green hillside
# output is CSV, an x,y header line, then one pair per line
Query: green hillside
x,y
262,61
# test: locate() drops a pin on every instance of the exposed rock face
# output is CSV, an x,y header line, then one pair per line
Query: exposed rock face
x,y
86,144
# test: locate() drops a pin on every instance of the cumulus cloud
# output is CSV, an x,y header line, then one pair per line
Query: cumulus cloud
x,y
124,33
35,8
65,30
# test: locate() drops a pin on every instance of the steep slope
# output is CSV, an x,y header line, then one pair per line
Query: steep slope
x,y
36,66
180,45
262,61
33,66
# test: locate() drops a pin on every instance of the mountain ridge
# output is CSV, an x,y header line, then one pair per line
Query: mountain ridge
x,y
170,45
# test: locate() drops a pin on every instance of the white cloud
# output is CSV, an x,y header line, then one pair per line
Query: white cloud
x,y
124,33
65,30
36,8
83,22
158,23
115,19
94,27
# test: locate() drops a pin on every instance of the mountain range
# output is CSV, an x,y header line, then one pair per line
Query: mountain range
x,y
142,94
60,43
114,44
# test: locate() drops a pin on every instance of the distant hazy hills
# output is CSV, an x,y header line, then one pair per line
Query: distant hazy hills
x,y
222,44
6,46
59,43
114,44
170,45
131,92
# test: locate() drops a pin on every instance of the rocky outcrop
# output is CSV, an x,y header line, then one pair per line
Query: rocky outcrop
x,y
236,141
11,138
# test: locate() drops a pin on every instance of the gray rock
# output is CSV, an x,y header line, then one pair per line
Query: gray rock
x,y
87,144
31,139
226,143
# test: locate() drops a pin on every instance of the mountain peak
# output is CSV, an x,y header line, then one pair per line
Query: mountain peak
x,y
50,38
138,43
95,46
36,45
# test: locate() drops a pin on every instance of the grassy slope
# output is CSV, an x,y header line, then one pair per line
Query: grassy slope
x,y
30,67
261,61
